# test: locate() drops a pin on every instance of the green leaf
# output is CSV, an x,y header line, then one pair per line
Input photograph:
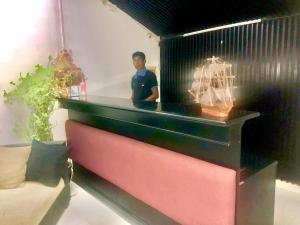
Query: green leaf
x,y
36,91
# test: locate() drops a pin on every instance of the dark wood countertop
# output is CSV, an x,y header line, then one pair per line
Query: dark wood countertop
x,y
182,111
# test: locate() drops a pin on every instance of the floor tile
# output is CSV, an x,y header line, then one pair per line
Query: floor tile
x,y
84,209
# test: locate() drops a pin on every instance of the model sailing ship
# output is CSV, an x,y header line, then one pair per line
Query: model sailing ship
x,y
212,87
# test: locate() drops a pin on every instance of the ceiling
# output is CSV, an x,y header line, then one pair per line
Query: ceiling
x,y
169,17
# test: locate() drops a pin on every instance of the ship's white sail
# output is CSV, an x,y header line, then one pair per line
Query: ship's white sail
x,y
213,85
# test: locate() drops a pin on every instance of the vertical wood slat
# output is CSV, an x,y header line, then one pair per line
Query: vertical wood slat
x,y
266,62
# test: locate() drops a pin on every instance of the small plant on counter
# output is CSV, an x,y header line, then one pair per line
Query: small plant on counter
x,y
66,73
39,91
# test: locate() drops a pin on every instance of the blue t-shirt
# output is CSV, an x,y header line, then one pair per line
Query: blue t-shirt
x,y
142,84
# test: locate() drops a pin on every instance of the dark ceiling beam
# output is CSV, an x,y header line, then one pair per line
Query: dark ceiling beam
x,y
167,17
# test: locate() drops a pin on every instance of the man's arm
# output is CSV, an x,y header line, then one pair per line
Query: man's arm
x,y
154,88
154,95
132,88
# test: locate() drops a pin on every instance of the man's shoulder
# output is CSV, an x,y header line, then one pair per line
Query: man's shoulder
x,y
133,77
150,73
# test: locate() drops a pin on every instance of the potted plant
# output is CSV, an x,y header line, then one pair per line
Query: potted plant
x,y
67,74
39,91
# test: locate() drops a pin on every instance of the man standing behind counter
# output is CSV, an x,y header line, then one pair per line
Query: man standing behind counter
x,y
144,82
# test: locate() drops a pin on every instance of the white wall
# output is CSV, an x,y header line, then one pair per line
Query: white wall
x,y
103,41
29,33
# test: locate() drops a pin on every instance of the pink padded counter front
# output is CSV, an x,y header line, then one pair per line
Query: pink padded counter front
x,y
188,190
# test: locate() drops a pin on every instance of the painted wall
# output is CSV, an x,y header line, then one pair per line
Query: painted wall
x,y
103,39
29,33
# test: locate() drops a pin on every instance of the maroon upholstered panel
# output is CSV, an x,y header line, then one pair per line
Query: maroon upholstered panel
x,y
188,190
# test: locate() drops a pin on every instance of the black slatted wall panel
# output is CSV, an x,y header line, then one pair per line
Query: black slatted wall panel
x,y
266,61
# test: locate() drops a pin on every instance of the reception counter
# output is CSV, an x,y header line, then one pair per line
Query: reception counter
x,y
165,131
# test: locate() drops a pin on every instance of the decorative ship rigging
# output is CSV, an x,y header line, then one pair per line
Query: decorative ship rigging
x,y
212,87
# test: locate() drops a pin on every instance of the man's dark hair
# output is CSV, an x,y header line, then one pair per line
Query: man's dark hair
x,y
139,54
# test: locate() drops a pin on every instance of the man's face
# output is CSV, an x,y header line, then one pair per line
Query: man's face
x,y
139,63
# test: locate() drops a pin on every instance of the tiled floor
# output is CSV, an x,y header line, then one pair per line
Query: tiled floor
x,y
84,209
287,205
